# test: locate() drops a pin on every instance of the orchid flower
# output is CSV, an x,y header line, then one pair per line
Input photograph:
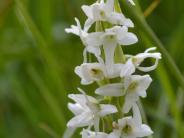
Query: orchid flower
x,y
110,39
82,33
132,88
90,72
134,62
131,127
104,12
87,110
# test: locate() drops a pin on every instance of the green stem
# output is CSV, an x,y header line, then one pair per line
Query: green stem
x,y
143,26
49,59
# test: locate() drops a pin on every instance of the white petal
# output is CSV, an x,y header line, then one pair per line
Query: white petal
x,y
116,71
88,24
85,82
109,49
128,39
81,120
74,29
95,50
94,39
83,74
136,114
81,99
150,49
69,132
128,69
119,19
115,89
143,131
130,100
142,56
107,109
78,71
75,108
125,120
110,5
143,84
128,23
88,11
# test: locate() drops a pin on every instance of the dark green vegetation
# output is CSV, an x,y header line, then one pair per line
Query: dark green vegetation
x,y
37,59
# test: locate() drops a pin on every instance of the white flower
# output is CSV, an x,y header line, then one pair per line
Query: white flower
x,y
139,58
82,33
110,39
131,127
77,30
90,72
104,12
134,62
135,87
90,134
87,110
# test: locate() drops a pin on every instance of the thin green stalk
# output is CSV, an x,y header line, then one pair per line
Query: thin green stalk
x,y
52,103
162,109
167,88
24,103
52,65
171,97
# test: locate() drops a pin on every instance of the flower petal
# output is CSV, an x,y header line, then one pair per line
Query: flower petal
x,y
115,89
107,109
130,100
143,131
75,108
84,119
94,39
88,11
128,39
128,69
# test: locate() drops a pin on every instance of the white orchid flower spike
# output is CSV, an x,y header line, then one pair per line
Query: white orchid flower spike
x,y
119,85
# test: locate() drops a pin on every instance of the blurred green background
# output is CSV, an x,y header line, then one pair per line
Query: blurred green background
x,y
37,59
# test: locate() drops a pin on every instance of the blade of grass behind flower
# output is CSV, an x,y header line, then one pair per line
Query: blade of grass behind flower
x,y
52,103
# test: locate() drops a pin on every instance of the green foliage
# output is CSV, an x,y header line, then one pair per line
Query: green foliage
x,y
37,59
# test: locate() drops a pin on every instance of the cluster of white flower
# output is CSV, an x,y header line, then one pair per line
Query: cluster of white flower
x,y
109,115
